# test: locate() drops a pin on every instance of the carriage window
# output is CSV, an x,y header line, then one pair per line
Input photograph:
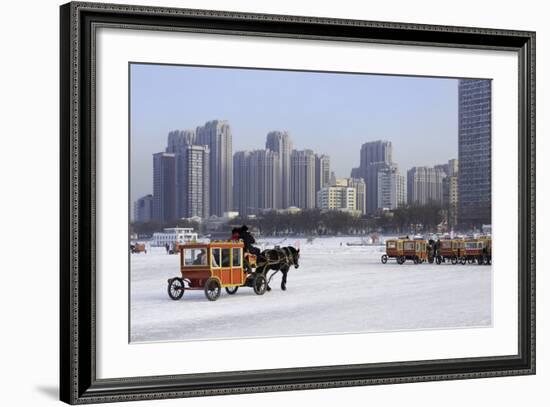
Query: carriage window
x,y
445,245
391,245
216,257
236,257
225,257
194,257
409,245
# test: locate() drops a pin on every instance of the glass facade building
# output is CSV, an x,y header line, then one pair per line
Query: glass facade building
x,y
474,152
164,187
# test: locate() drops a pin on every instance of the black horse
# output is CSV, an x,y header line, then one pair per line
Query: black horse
x,y
278,259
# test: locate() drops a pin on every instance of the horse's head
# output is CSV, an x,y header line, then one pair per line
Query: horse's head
x,y
295,256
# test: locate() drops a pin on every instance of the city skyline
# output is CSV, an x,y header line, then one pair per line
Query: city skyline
x,y
408,111
182,178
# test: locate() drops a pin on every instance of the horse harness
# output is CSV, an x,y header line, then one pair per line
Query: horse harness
x,y
288,259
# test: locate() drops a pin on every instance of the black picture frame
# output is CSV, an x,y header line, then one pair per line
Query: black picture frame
x,y
78,382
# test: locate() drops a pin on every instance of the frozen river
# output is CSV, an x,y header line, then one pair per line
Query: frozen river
x,y
337,289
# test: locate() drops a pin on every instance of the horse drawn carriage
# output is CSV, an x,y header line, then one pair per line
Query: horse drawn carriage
x,y
453,250
138,248
394,250
402,250
415,250
477,250
224,264
449,250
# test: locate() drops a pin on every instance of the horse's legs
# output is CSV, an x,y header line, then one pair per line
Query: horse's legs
x,y
284,270
266,279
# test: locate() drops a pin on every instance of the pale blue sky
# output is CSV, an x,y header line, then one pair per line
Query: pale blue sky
x,y
330,113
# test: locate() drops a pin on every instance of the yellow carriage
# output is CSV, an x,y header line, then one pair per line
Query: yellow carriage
x,y
415,250
394,250
477,250
406,249
449,250
213,266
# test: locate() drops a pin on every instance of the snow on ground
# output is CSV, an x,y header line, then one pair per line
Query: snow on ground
x,y
336,289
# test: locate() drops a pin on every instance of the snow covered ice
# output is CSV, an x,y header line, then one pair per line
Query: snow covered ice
x,y
336,289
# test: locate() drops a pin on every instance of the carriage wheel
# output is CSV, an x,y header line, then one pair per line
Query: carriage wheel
x,y
438,259
416,260
259,284
463,260
384,259
231,290
212,289
487,260
454,260
175,288
400,260
431,259
480,260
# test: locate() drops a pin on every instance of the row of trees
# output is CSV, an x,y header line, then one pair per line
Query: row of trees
x,y
406,219
307,222
412,218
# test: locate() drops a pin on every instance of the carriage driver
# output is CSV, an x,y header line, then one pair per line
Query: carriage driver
x,y
247,238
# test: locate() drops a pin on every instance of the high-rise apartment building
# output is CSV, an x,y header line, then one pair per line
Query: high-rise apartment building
x,y
164,187
450,199
280,142
257,177
192,181
356,172
302,179
337,197
322,171
143,209
360,193
424,185
375,155
376,151
241,183
391,188
217,136
452,167
474,152
178,140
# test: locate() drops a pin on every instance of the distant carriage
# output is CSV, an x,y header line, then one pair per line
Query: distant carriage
x,y
477,250
138,248
402,250
453,250
415,250
449,250
394,250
